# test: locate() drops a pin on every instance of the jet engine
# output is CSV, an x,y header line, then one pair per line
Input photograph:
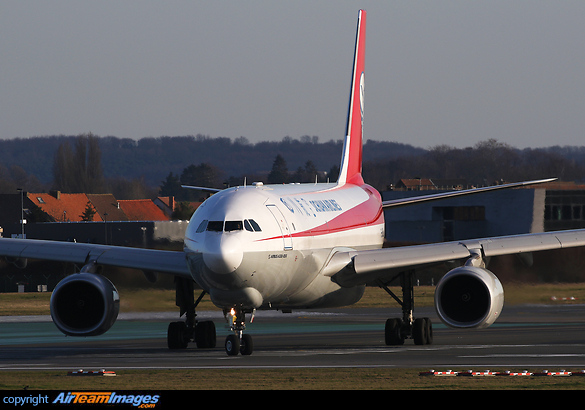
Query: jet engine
x,y
84,304
469,297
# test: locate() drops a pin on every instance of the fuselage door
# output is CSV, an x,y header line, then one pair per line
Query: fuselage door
x,y
284,229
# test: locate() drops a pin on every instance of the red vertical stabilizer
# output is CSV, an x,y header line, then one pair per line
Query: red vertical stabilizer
x,y
351,162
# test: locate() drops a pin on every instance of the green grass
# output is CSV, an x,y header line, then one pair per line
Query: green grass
x,y
278,379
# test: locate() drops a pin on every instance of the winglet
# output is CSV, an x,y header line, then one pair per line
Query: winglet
x,y
351,161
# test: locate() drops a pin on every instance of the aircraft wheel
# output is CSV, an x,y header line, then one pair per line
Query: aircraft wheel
x,y
429,325
393,332
246,345
205,334
422,331
232,345
419,332
177,335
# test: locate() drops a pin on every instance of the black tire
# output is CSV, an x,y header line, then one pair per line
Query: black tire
x,y
232,345
429,326
246,345
177,336
419,331
393,332
205,336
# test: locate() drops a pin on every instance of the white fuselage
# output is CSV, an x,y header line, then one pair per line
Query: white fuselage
x,y
264,246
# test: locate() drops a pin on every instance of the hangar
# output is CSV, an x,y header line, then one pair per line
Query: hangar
x,y
547,207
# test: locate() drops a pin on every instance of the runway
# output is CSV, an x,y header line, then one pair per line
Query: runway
x,y
546,337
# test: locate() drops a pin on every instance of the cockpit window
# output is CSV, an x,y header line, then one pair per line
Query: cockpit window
x,y
233,226
202,226
251,225
215,226
229,226
255,226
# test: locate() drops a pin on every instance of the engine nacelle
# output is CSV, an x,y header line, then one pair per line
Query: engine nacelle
x,y
84,304
469,297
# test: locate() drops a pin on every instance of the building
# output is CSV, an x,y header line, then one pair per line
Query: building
x,y
62,207
546,207
58,207
58,216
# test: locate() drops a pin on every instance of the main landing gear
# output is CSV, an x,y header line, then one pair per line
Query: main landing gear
x,y
238,342
179,334
397,330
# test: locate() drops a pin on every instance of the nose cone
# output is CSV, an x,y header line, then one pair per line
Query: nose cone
x,y
223,253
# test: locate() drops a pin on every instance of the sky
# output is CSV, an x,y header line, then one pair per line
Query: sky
x,y
438,72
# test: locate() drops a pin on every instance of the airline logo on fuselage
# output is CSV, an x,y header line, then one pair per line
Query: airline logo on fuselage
x,y
326,205
303,206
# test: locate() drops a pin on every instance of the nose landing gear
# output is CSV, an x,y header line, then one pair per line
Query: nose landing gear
x,y
238,342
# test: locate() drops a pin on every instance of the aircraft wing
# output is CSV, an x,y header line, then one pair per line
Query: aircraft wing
x,y
451,194
351,268
149,260
201,188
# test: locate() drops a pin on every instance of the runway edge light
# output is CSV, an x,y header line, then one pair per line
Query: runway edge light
x,y
471,373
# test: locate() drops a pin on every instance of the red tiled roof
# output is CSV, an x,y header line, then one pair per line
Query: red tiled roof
x,y
107,203
70,207
63,207
142,210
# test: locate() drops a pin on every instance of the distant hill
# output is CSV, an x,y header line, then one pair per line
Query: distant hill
x,y
153,158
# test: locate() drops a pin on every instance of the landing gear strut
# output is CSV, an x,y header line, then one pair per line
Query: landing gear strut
x,y
179,334
238,342
397,330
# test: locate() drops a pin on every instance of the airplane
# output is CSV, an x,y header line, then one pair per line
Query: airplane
x,y
291,246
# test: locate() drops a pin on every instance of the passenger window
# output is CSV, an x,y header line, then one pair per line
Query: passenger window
x,y
202,226
215,226
231,226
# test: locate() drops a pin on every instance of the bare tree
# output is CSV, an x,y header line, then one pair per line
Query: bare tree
x,y
79,170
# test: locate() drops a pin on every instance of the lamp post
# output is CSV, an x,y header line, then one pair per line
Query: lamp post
x,y
22,221
106,227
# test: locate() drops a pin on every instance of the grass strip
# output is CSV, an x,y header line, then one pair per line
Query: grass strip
x,y
278,379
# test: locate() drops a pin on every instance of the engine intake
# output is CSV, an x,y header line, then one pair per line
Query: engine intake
x,y
469,297
84,304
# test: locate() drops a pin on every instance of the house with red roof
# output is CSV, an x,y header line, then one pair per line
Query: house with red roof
x,y
63,207
142,210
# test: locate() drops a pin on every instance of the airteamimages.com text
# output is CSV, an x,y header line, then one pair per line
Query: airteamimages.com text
x,y
82,398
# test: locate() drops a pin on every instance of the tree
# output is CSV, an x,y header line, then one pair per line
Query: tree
x,y
183,211
333,174
171,186
79,170
202,175
88,213
306,174
279,172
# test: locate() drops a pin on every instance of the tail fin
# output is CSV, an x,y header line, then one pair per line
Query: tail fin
x,y
351,162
